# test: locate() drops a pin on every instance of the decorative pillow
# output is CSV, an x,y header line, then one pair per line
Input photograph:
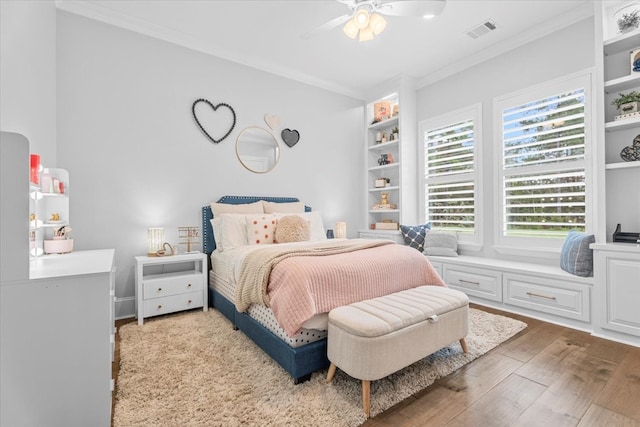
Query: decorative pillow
x,y
414,235
576,257
292,228
442,243
315,221
273,207
261,229
245,208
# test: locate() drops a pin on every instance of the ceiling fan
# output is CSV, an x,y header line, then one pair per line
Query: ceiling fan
x,y
365,20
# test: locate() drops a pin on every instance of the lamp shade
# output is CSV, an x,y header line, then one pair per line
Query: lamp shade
x,y
155,239
366,34
361,18
377,23
350,29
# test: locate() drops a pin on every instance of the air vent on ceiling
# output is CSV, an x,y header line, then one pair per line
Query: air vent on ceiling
x,y
482,29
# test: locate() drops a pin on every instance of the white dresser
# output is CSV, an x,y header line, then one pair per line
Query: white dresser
x,y
170,283
57,331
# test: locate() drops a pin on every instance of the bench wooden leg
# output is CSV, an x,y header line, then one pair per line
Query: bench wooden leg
x,y
366,397
331,373
463,344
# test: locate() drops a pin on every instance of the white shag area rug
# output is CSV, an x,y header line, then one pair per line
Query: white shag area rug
x,y
193,369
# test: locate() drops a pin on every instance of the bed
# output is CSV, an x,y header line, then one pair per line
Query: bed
x,y
300,348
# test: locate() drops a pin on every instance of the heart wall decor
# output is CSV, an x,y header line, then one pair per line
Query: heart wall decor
x,y
631,153
290,137
213,120
272,120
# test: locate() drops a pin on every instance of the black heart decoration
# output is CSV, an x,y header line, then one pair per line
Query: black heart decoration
x,y
290,137
214,108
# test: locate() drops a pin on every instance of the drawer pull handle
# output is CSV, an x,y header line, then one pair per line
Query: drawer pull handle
x,y
531,294
469,282
189,302
159,289
159,306
189,285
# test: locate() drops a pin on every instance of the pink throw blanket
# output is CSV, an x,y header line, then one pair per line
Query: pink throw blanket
x,y
302,286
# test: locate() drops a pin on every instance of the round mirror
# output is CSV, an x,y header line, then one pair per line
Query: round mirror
x,y
257,149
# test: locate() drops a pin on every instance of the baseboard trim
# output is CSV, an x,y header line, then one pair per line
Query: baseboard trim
x,y
125,307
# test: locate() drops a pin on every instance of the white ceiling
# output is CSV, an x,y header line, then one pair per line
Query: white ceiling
x,y
267,35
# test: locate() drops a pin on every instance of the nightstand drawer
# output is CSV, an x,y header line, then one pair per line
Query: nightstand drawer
x,y
477,282
168,284
173,303
547,295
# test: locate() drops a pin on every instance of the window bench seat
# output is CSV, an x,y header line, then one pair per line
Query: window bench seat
x,y
539,291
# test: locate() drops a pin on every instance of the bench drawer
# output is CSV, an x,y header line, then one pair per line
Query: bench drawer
x,y
477,282
548,295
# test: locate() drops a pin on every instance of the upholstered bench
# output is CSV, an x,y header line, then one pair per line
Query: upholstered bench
x,y
371,339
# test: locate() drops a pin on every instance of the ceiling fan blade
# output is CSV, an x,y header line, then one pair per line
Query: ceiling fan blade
x,y
326,26
412,7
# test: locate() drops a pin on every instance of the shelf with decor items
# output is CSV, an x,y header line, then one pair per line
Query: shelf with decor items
x,y
48,211
618,138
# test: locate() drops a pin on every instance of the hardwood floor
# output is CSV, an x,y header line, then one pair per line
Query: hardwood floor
x,y
547,375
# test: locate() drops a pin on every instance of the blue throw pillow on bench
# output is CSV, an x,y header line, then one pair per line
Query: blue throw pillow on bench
x,y
576,256
414,235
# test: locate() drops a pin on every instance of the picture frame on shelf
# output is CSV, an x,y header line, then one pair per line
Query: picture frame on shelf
x,y
381,110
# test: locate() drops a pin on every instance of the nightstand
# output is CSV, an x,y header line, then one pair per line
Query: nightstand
x,y
170,283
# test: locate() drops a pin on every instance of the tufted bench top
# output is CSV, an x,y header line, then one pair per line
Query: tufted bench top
x,y
389,313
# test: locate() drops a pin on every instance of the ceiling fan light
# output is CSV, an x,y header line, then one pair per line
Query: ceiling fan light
x,y
361,18
350,29
377,23
366,34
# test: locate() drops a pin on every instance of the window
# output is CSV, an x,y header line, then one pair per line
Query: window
x,y
543,137
450,145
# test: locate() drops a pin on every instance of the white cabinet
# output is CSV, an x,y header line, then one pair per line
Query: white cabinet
x,y
617,272
169,284
617,202
57,334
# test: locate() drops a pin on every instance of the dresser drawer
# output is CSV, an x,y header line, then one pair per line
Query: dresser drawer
x,y
169,304
477,282
168,284
548,295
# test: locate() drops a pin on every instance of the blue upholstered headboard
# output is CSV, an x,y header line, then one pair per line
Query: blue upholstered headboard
x,y
208,242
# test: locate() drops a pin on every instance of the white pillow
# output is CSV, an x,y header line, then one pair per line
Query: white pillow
x,y
216,225
442,243
291,207
234,230
317,231
261,229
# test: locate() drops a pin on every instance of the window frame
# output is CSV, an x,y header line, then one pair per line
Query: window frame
x,y
520,245
473,112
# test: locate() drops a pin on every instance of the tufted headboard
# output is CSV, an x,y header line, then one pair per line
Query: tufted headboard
x,y
208,242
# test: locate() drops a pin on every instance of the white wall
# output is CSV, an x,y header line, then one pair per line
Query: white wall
x,y
28,74
137,159
563,52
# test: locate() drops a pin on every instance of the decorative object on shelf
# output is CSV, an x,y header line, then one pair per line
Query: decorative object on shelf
x,y
61,243
395,132
222,105
384,138
631,153
340,230
381,182
625,237
381,111
634,60
386,224
384,203
187,236
155,239
396,110
290,137
384,198
378,137
627,103
272,121
34,169
628,18
626,116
